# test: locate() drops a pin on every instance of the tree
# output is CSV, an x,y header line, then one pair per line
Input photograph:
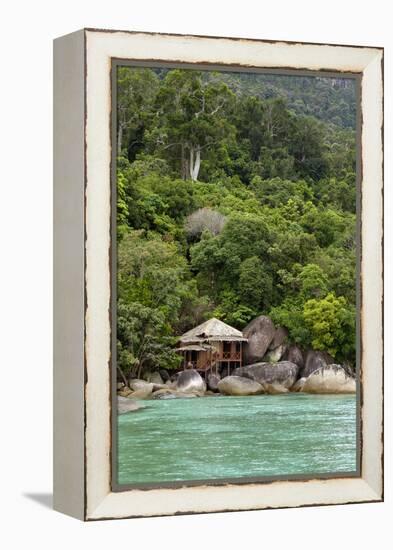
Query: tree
x,y
191,119
290,314
246,235
217,260
313,281
255,284
332,325
207,262
154,287
339,194
248,120
307,145
149,199
232,311
136,91
326,224
144,339
152,272
276,192
205,219
122,206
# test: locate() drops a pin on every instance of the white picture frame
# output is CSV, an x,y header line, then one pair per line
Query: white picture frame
x,y
82,256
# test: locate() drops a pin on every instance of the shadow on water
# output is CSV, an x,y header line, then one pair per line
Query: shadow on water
x,y
45,499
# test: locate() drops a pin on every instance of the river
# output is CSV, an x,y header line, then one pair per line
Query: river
x,y
233,437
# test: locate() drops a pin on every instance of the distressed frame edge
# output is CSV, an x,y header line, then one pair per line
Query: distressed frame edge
x,y
104,510
375,493
236,38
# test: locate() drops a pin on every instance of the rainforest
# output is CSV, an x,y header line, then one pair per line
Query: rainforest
x,y
236,197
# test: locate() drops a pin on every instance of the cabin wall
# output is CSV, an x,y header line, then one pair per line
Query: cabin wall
x,y
217,348
202,359
228,352
221,352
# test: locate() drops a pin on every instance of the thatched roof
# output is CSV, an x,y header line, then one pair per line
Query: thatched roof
x,y
212,330
194,347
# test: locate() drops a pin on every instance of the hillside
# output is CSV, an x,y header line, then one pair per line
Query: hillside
x,y
331,100
236,197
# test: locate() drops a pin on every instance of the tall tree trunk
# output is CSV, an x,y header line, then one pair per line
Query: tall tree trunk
x,y
139,371
195,162
184,163
119,139
191,161
122,375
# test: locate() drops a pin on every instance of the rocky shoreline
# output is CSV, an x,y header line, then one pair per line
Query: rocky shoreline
x,y
272,366
257,379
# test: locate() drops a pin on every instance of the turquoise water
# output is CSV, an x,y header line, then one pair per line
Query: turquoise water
x,y
233,437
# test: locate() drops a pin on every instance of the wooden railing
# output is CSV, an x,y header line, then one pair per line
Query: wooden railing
x,y
229,356
225,356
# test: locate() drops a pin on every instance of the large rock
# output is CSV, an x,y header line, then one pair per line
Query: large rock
x,y
260,333
143,393
136,384
154,377
190,381
212,381
314,361
225,370
298,385
294,354
124,392
275,389
329,379
163,394
164,375
283,373
125,405
274,355
238,385
185,395
173,394
280,337
159,387
349,369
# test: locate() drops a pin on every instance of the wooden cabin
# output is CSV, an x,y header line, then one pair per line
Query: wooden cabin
x,y
212,346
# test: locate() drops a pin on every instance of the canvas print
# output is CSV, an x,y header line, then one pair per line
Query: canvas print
x,y
236,276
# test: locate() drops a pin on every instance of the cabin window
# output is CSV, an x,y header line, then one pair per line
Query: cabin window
x,y
194,355
238,347
227,347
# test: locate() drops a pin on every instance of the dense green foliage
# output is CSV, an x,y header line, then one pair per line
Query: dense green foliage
x,y
236,197
328,99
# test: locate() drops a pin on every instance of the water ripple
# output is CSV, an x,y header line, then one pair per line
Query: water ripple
x,y
226,437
